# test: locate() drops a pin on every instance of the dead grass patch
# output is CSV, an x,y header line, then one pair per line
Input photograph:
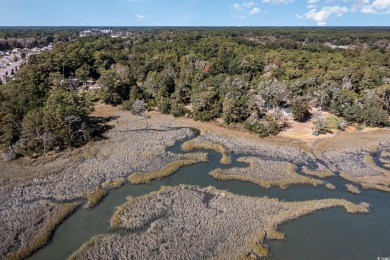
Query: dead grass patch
x,y
114,184
265,173
43,235
94,197
200,224
330,186
169,169
352,188
194,145
319,174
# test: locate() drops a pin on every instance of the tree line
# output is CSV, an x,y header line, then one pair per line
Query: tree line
x,y
245,76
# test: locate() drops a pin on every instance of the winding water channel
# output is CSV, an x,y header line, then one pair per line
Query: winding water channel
x,y
327,234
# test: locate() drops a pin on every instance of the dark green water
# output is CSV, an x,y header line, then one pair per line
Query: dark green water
x,y
327,234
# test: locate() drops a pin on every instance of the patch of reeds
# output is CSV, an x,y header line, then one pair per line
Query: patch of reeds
x,y
169,169
265,173
94,197
85,247
352,188
319,174
43,236
330,186
200,157
194,145
370,161
273,234
200,224
383,158
375,186
114,184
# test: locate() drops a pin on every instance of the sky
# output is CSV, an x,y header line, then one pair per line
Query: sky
x,y
195,13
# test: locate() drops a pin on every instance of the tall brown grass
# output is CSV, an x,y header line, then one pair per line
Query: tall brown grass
x,y
43,235
169,169
193,145
94,197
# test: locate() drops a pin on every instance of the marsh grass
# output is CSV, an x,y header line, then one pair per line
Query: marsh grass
x,y
273,234
265,173
319,174
43,236
375,186
330,186
114,184
227,226
352,188
370,161
169,169
94,197
193,145
385,161
383,158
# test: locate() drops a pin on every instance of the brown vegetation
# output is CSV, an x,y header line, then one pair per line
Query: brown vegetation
x,y
169,169
94,197
319,174
352,188
42,235
114,184
193,223
330,186
193,145
266,173
350,154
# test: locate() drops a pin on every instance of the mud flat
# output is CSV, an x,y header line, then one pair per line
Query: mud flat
x,y
188,222
266,173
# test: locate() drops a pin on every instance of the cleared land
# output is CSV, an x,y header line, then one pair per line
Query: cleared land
x,y
192,223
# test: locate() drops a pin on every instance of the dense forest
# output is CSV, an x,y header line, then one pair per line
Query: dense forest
x,y
245,76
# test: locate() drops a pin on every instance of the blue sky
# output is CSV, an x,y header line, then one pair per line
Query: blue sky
x,y
195,13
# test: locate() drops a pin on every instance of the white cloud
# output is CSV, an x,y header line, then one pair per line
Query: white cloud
x,y
381,4
277,1
140,17
377,6
249,4
321,16
236,7
255,10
